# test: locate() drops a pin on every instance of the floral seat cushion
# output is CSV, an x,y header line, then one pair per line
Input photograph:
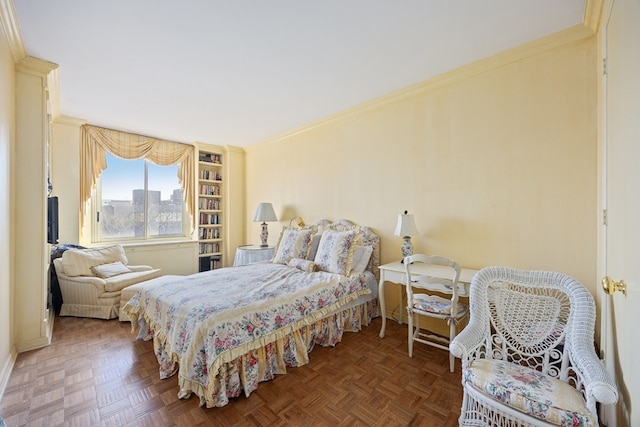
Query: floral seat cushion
x,y
436,305
529,391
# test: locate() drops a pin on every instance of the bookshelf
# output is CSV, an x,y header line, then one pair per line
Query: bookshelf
x,y
210,212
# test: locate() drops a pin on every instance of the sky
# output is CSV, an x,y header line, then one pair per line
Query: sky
x,y
123,176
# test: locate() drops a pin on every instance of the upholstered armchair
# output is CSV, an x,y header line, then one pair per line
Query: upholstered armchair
x,y
91,280
528,356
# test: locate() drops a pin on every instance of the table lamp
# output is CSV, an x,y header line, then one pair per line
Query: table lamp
x,y
264,213
406,227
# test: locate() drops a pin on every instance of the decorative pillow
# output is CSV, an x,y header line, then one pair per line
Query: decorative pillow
x,y
79,262
303,264
293,243
335,251
361,256
105,271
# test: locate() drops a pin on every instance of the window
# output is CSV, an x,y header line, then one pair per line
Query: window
x,y
138,200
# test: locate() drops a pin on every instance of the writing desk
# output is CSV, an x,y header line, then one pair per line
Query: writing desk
x,y
394,272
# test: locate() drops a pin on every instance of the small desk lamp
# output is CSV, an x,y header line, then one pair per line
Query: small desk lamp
x,y
264,213
406,227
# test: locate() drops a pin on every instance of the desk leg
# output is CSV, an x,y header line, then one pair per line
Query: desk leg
x,y
383,310
401,311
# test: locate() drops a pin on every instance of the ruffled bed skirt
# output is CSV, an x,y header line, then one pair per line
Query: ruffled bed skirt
x,y
263,364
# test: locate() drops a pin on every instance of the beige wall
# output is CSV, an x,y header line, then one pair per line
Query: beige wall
x,y
7,139
496,161
65,176
234,199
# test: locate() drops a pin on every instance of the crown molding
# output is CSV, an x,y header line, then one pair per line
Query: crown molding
x,y
233,149
9,22
68,120
593,14
35,66
561,38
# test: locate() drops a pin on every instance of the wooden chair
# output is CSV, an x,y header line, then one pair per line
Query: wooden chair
x,y
427,303
528,355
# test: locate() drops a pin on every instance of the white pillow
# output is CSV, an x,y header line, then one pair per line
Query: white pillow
x,y
335,251
111,269
361,256
293,243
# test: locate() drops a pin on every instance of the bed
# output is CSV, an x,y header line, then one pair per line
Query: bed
x,y
224,331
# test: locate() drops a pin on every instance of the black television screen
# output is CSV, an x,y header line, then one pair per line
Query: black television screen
x,y
52,220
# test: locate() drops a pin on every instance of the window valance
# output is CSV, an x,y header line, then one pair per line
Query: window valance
x,y
95,142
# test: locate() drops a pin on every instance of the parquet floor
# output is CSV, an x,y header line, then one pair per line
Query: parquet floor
x,y
96,374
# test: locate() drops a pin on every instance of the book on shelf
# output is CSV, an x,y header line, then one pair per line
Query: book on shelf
x,y
210,175
216,262
208,233
209,219
209,204
210,262
210,158
209,248
209,190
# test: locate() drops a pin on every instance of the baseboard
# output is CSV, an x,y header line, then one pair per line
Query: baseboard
x,y
5,374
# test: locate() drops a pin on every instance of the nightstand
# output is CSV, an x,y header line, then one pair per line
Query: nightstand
x,y
394,273
251,254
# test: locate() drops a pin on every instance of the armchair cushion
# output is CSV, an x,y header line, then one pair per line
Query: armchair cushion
x,y
529,391
79,262
121,281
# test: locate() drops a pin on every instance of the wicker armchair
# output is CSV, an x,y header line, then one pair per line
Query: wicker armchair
x,y
528,354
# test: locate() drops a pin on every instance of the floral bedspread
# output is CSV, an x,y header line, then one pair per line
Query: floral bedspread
x,y
202,321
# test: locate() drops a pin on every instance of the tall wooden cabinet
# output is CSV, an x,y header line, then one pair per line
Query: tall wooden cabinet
x,y
211,220
30,172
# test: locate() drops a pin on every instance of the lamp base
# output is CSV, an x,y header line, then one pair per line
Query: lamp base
x,y
264,234
407,248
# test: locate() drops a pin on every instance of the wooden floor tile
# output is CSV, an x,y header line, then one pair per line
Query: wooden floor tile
x,y
95,373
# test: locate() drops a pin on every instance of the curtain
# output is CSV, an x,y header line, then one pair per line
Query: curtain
x,y
95,142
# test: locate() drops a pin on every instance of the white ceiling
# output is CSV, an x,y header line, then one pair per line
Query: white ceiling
x,y
240,72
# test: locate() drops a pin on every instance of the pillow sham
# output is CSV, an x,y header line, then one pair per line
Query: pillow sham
x,y
303,264
293,244
335,251
361,255
104,271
